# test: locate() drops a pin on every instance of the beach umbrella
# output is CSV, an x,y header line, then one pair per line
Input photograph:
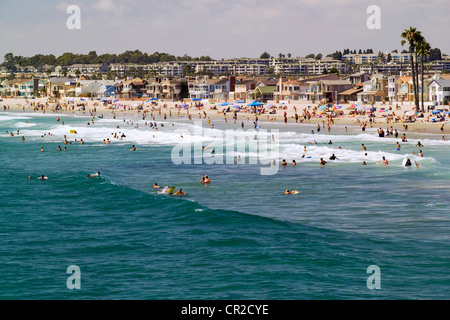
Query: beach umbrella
x,y
154,99
225,104
82,99
437,111
240,101
237,107
115,101
255,104
196,99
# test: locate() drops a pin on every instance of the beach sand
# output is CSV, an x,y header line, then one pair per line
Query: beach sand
x,y
165,107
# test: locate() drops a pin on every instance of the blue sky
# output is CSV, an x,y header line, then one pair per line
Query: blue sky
x,y
221,29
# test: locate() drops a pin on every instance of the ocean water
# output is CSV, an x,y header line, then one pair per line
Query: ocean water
x,y
238,238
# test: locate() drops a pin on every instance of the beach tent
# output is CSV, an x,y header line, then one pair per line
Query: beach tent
x,y
255,104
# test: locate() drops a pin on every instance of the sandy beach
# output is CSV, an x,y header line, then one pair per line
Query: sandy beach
x,y
216,112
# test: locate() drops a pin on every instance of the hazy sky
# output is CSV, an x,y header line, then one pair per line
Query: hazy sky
x,y
218,28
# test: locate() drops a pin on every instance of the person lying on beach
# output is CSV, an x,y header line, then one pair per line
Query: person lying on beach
x,y
94,175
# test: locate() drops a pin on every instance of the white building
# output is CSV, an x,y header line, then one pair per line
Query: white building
x,y
439,90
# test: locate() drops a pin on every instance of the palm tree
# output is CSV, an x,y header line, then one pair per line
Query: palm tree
x,y
424,50
410,35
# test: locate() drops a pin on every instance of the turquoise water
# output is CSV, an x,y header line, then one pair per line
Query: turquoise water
x,y
238,238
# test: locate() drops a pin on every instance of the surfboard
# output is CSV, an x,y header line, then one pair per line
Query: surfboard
x,y
73,131
171,190
295,192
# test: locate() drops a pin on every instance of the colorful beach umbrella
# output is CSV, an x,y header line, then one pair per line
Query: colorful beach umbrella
x,y
240,101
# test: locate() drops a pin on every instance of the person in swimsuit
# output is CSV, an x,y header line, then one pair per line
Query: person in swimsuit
x,y
179,193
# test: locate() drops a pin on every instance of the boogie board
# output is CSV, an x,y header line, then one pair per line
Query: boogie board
x,y
295,192
73,131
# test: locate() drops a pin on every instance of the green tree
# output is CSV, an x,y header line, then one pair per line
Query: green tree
x,y
310,56
424,50
265,55
319,56
410,36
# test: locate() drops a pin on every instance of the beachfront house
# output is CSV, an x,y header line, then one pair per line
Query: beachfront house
x,y
218,89
359,77
243,89
263,93
392,88
351,95
62,87
287,90
171,89
405,89
439,91
331,89
375,90
130,89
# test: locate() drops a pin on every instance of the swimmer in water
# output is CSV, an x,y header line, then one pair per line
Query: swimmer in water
x,y
386,163
419,144
43,178
155,186
420,154
364,163
179,193
42,149
398,146
289,192
283,163
408,163
322,162
294,163
134,148
94,175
